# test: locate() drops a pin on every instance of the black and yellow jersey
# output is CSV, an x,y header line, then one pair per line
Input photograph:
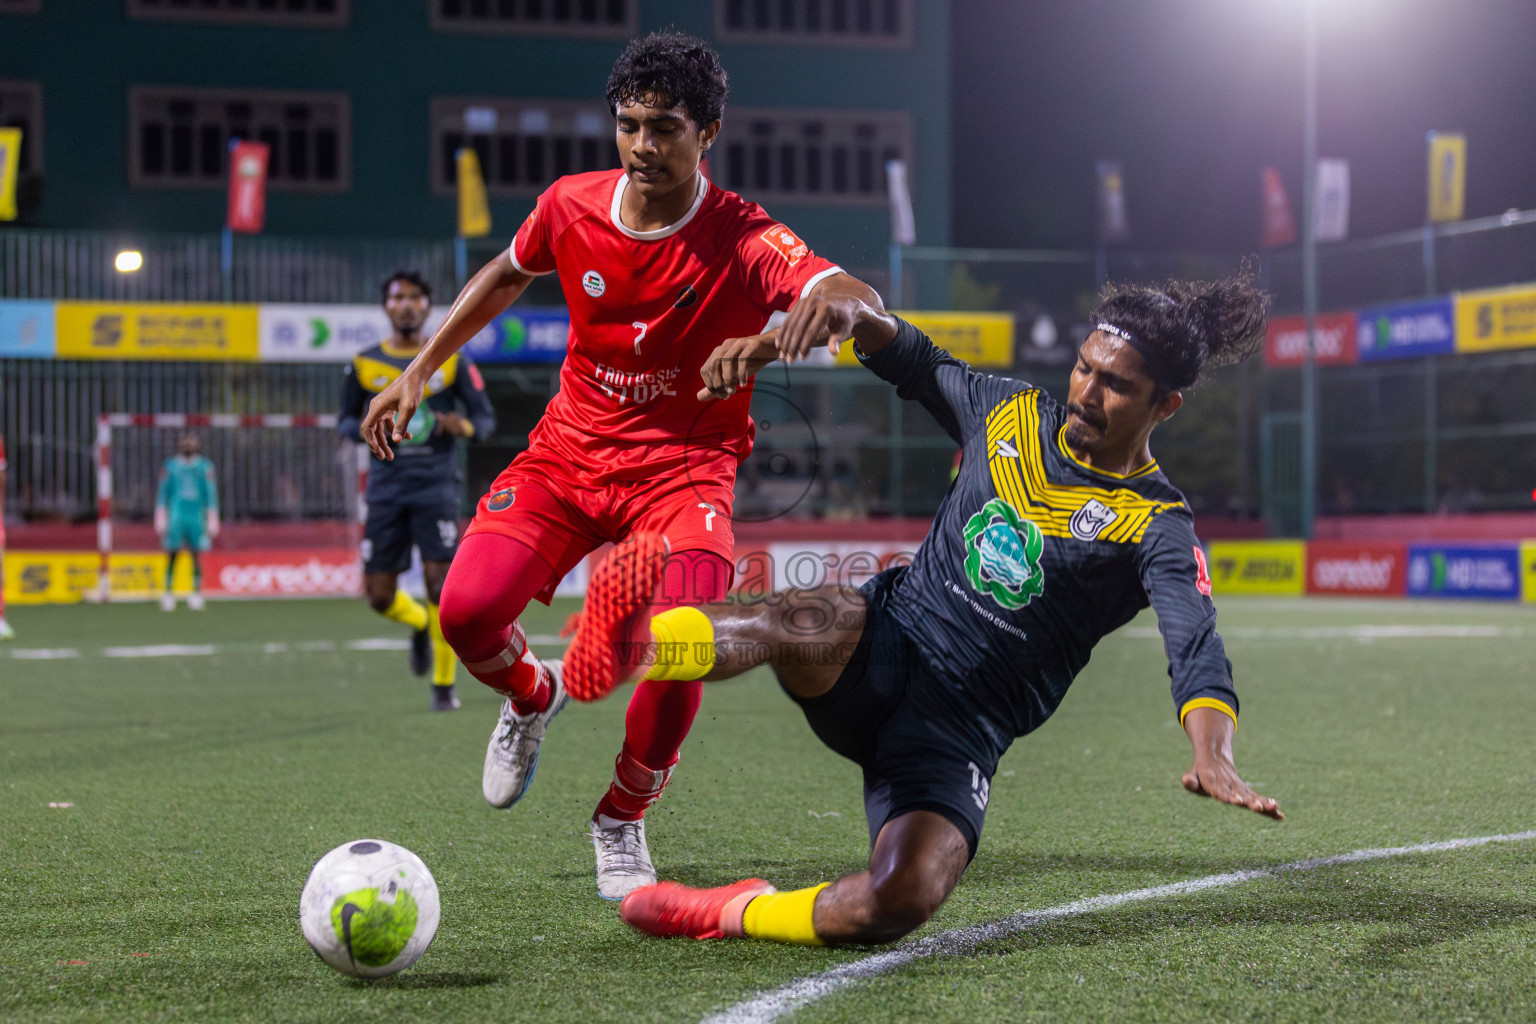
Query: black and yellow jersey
x,y
426,461
1034,556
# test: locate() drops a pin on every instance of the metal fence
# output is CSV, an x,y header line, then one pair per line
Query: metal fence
x,y
48,412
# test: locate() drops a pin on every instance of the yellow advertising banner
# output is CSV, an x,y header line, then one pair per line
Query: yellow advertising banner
x,y
474,210
53,577
141,330
1496,318
1528,570
1447,176
1276,567
981,339
10,166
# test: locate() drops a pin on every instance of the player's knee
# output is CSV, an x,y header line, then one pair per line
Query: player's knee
x,y
381,596
902,900
464,620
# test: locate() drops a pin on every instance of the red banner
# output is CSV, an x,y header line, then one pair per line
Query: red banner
x,y
1279,222
1362,570
295,572
247,187
1285,343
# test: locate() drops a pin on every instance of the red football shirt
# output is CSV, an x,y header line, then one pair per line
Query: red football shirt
x,y
647,308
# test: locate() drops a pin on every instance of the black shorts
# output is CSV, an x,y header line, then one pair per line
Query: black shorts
x,y
907,728
394,527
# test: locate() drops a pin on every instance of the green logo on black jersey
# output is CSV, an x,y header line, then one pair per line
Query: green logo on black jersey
x,y
1003,559
421,426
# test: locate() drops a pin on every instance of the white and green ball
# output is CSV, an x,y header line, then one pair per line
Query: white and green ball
x,y
369,908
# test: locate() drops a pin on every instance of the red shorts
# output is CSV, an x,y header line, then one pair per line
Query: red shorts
x,y
565,515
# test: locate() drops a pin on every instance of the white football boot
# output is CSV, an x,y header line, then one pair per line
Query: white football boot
x,y
623,859
6,632
512,756
167,602
195,601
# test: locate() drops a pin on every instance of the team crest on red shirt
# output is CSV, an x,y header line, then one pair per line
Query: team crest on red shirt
x,y
784,242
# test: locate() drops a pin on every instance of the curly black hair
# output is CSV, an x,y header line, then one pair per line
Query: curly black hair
x,y
410,277
670,69
1184,327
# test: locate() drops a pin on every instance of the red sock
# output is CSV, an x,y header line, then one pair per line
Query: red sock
x,y
662,711
490,582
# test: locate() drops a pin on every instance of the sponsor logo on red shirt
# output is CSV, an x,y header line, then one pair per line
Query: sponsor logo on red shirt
x,y
1202,573
786,243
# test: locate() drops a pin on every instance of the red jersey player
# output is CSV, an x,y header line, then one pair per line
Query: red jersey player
x,y
658,267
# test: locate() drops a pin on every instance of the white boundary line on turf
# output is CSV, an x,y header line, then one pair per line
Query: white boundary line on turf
x,y
767,1007
210,650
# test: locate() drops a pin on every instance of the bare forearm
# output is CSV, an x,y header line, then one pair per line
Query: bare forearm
x,y
495,287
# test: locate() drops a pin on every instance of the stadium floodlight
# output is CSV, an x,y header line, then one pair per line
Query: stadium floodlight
x,y
128,261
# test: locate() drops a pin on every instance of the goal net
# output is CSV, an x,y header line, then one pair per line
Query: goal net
x,y
289,497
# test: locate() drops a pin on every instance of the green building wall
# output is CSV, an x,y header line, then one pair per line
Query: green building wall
x,y
86,54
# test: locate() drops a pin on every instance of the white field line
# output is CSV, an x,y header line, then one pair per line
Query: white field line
x,y
1427,631
780,1002
380,643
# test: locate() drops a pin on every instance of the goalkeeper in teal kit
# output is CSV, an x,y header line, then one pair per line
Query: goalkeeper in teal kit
x,y
186,515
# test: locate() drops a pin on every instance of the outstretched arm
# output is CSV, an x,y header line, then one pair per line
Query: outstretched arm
x,y
838,308
489,292
1214,774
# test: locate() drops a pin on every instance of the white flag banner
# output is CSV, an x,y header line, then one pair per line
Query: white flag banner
x,y
1330,218
903,226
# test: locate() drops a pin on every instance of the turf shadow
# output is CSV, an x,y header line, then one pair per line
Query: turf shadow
x,y
431,979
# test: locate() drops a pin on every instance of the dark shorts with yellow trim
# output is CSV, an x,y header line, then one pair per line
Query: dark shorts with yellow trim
x,y
893,717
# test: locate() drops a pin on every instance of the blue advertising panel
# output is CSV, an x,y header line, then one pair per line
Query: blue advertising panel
x,y
1489,571
528,334
1407,330
26,329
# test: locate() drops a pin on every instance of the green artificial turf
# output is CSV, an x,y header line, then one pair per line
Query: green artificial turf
x,y
204,786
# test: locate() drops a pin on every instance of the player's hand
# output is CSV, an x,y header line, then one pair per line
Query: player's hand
x,y
160,521
453,424
734,363
213,525
838,307
1221,782
1214,773
388,414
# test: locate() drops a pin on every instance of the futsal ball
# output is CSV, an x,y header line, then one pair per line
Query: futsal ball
x,y
369,908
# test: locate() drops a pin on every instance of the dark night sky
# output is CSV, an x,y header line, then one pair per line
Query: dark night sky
x,y
1196,96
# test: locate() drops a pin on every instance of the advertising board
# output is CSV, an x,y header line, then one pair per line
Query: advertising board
x,y
1367,570
1488,571
1275,567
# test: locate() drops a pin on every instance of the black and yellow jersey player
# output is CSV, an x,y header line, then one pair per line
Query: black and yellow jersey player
x,y
413,501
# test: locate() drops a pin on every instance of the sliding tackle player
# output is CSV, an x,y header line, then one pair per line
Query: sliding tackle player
x,y
1059,528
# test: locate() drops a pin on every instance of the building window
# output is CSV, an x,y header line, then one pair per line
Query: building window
x,y
523,145
20,6
834,157
180,137
290,13
21,106
840,22
613,18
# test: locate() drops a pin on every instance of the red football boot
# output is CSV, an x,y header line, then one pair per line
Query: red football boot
x,y
669,909
618,594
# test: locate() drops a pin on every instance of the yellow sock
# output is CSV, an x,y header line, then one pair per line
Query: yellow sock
x,y
444,665
407,610
685,645
784,917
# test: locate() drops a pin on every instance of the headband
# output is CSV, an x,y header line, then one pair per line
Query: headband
x,y
1160,373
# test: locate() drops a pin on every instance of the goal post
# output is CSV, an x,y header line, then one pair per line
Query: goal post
x,y
286,483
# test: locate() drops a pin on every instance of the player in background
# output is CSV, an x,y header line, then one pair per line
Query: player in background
x,y
6,632
658,267
1058,529
186,516
413,496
